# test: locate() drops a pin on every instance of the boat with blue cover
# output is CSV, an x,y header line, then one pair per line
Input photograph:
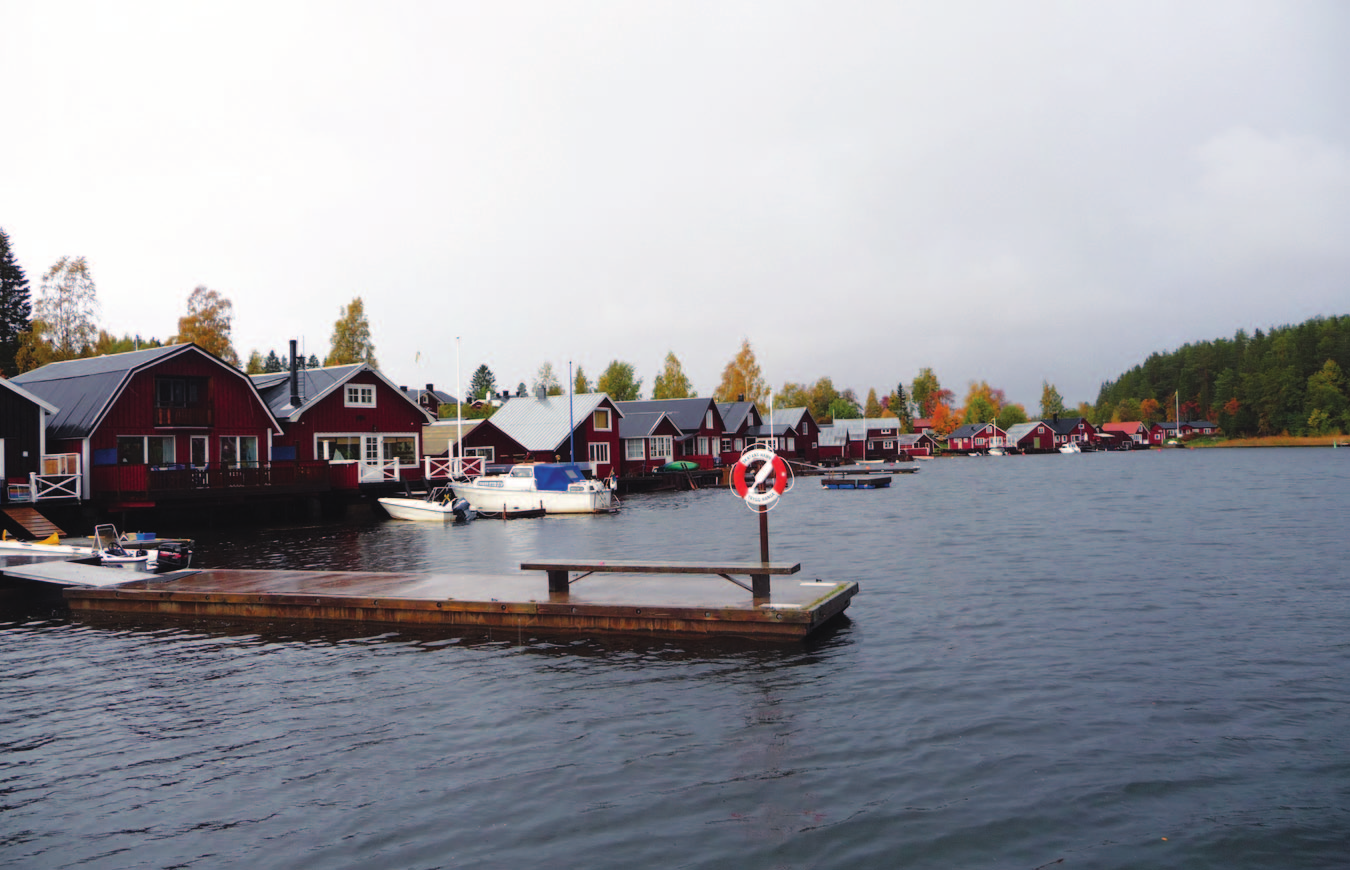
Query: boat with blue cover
x,y
551,487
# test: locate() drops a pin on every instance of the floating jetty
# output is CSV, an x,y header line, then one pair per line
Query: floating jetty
x,y
855,481
675,598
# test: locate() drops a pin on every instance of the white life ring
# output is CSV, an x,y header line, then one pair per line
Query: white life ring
x,y
770,463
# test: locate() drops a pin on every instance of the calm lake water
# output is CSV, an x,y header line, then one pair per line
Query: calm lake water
x,y
1103,660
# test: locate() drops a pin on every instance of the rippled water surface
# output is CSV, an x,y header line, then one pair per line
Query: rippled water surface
x,y
1101,660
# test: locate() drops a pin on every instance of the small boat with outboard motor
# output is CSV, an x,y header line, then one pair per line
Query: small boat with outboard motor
x,y
440,504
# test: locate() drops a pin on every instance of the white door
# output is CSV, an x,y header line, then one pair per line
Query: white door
x,y
372,465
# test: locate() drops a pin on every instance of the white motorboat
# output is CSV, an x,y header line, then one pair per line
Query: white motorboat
x,y
1070,447
553,487
111,549
440,504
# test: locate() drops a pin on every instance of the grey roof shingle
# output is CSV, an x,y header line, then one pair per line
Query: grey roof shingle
x,y
542,424
84,389
688,414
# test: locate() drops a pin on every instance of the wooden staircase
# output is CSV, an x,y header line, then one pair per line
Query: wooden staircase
x,y
33,522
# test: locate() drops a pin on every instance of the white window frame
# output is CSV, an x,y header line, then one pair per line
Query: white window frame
x,y
239,441
359,396
662,446
206,450
599,452
635,449
602,414
489,454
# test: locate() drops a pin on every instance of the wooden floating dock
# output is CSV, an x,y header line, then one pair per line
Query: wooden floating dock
x,y
622,597
855,481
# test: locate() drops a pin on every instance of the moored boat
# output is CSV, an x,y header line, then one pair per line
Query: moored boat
x,y
551,487
440,504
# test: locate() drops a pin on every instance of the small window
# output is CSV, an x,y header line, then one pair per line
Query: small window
x,y
600,420
600,452
635,448
360,396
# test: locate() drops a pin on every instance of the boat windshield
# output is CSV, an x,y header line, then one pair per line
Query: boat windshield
x,y
522,471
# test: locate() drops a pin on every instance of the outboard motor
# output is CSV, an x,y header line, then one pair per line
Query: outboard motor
x,y
174,556
460,507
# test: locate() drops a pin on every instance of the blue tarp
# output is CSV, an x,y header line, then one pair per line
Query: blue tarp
x,y
555,476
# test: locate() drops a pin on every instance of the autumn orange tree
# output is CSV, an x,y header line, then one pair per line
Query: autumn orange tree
x,y
741,379
207,324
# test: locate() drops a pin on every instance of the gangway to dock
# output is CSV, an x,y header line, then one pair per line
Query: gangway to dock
x,y
32,521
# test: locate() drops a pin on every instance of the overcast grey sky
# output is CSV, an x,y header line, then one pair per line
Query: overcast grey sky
x,y
1007,192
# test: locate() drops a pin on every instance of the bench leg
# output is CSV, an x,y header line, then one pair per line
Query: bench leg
x,y
557,581
759,585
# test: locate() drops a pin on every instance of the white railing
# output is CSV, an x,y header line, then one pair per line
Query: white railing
x,y
452,467
60,478
378,469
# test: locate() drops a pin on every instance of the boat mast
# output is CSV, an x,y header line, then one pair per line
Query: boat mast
x,y
459,417
571,424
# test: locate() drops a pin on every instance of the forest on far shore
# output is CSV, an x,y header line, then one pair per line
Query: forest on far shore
x,y
1287,380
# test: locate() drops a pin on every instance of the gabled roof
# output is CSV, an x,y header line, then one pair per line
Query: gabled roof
x,y
642,424
688,414
440,397
1128,428
1066,425
832,436
911,438
860,426
24,394
1018,431
542,424
734,414
84,389
315,386
793,417
970,430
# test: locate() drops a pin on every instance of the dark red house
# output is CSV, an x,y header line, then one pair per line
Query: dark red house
x,y
700,423
975,438
352,417
648,441
165,424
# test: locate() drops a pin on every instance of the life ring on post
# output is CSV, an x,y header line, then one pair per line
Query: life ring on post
x,y
756,494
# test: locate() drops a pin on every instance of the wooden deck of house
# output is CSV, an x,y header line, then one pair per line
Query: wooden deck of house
x,y
628,603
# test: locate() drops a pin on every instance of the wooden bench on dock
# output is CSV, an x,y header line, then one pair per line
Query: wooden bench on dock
x,y
758,572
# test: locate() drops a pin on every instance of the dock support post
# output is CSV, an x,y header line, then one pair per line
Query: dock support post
x,y
759,583
557,581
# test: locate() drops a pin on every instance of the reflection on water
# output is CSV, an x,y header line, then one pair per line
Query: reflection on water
x,y
1104,660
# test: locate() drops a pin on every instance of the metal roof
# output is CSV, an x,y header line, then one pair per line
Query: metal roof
x,y
542,424
21,392
968,430
84,389
316,385
641,424
734,414
860,426
1019,431
687,414
789,417
831,436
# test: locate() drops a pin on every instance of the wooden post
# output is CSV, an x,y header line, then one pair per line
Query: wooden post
x,y
557,580
759,583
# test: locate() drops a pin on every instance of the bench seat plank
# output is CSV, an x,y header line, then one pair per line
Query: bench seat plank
x,y
631,566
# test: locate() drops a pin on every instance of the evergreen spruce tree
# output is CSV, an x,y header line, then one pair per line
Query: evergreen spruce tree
x,y
16,307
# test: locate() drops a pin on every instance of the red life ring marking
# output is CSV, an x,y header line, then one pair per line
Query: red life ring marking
x,y
770,463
